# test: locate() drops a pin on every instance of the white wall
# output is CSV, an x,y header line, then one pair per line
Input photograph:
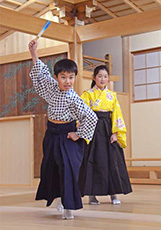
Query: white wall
x,y
111,46
146,131
145,41
146,116
18,43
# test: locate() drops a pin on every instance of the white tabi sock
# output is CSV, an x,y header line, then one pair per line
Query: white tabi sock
x,y
93,200
67,215
59,205
114,200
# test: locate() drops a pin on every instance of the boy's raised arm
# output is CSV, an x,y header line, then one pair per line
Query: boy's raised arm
x,y
32,49
43,83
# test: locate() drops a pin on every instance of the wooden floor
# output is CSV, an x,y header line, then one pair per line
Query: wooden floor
x,y
140,210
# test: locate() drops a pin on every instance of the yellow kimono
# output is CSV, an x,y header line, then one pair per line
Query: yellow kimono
x,y
106,101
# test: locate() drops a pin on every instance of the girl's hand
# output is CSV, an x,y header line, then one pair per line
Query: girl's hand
x,y
113,137
73,136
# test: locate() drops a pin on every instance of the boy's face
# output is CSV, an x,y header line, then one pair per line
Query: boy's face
x,y
65,80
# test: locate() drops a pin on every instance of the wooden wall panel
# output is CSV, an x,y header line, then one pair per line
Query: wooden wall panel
x,y
18,96
39,132
16,152
7,87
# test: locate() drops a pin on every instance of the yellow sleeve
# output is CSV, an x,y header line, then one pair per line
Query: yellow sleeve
x,y
86,98
118,124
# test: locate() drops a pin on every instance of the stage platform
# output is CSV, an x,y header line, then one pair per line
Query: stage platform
x,y
140,210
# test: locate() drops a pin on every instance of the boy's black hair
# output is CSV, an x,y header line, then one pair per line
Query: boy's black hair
x,y
65,65
96,71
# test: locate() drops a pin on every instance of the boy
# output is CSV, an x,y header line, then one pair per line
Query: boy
x,y
62,144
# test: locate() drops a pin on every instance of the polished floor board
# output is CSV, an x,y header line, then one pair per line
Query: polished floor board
x,y
140,210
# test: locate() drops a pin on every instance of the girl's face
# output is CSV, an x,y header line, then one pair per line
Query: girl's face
x,y
65,80
101,79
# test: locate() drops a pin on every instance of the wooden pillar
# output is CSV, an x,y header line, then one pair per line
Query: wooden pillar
x,y
127,87
127,67
76,54
110,84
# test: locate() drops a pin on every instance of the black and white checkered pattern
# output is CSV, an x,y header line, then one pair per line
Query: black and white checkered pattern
x,y
63,105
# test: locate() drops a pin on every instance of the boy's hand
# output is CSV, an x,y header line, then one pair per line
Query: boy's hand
x,y
77,125
73,136
33,46
113,137
32,49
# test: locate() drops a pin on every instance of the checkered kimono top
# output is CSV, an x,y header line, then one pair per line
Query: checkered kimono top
x,y
63,105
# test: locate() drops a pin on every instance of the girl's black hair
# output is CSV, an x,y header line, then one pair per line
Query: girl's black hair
x,y
96,71
65,65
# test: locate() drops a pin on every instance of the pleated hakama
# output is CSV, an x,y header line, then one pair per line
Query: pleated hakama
x,y
103,170
60,166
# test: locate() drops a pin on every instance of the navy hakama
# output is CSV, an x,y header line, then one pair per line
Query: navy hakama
x,y
61,162
103,171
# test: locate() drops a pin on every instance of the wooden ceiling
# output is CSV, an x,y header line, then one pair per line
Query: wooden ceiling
x,y
87,11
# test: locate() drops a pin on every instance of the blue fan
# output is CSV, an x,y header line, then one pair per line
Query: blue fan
x,y
45,26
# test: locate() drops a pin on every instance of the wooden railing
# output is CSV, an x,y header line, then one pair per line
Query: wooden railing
x,y
144,174
91,62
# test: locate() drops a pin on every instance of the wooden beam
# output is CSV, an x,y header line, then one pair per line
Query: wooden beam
x,y
107,11
75,1
124,26
14,2
133,6
6,34
45,10
158,2
23,117
143,159
95,59
48,51
70,1
26,4
41,3
145,181
21,7
32,25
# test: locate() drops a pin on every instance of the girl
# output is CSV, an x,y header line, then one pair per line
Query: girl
x,y
103,171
